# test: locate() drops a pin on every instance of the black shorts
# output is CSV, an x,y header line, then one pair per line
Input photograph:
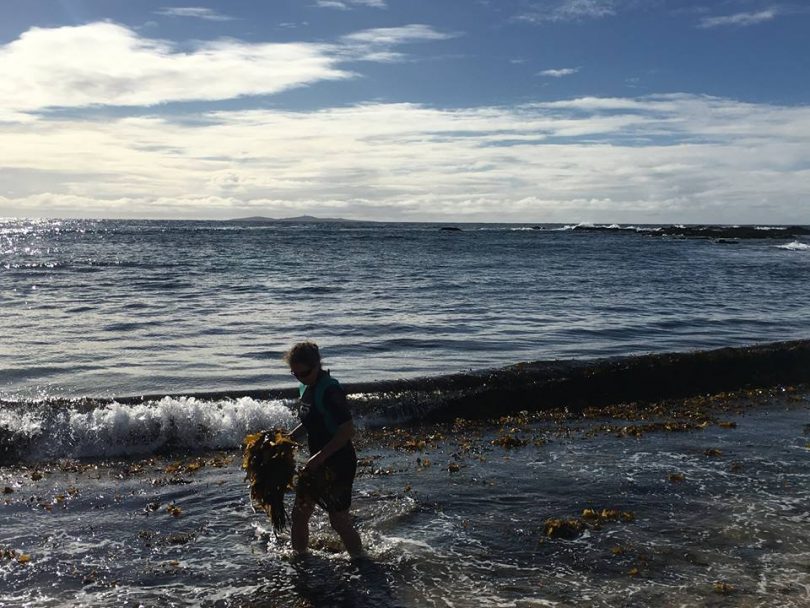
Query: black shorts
x,y
330,486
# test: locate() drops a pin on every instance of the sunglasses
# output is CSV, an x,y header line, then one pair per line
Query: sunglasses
x,y
302,374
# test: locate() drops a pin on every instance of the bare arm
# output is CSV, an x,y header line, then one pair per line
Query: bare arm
x,y
342,436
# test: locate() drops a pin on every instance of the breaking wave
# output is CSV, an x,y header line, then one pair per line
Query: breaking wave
x,y
794,246
48,430
35,432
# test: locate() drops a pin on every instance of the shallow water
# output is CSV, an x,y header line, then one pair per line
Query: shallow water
x,y
474,537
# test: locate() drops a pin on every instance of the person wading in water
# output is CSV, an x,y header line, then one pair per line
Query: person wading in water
x,y
329,473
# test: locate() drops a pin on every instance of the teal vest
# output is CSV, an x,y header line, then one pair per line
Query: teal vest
x,y
324,382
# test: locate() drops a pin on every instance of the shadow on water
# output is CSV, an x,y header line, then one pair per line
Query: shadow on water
x,y
317,582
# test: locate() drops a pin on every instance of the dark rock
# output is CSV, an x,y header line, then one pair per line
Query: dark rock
x,y
575,384
733,232
727,234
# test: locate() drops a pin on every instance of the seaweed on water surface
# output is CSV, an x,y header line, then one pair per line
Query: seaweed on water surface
x,y
269,462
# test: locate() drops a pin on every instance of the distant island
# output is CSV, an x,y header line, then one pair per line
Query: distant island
x,y
258,219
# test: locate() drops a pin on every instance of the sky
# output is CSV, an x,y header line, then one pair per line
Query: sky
x,y
628,111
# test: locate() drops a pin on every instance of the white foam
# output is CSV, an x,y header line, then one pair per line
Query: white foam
x,y
116,429
795,246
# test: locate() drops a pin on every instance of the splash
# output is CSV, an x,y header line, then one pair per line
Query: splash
x,y
794,246
45,432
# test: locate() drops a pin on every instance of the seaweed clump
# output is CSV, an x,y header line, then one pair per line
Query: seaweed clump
x,y
571,527
269,462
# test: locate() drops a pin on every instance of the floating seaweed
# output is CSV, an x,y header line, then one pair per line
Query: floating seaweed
x,y
509,441
571,527
269,462
599,516
563,528
11,554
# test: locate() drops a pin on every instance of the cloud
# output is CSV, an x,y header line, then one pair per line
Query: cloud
x,y
678,158
193,12
739,19
109,64
397,35
570,10
558,73
346,5
375,44
559,11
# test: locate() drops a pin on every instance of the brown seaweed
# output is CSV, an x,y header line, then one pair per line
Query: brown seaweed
x,y
570,527
269,462
11,554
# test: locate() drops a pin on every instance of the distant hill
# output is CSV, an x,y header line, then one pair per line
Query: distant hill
x,y
258,219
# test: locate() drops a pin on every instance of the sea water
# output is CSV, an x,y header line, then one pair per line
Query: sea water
x,y
717,517
110,502
104,308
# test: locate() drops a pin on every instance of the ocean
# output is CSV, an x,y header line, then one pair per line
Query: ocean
x,y
108,308
112,500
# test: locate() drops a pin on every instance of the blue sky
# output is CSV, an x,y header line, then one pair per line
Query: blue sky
x,y
476,110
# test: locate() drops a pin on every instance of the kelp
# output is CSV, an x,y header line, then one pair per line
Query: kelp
x,y
592,519
269,462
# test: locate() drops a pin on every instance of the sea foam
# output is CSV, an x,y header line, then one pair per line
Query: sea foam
x,y
795,246
115,429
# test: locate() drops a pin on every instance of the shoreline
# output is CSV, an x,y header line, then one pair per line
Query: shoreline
x,y
544,384
86,428
446,498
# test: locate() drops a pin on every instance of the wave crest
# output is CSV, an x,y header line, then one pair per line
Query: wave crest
x,y
116,429
794,246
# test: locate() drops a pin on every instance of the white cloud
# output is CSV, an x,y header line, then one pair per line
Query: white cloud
x,y
109,64
570,10
397,35
739,19
664,158
558,73
375,44
332,4
346,5
193,12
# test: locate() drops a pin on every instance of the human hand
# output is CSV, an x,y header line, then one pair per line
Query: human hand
x,y
315,462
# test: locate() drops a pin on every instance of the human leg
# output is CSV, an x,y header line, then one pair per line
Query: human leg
x,y
299,531
342,524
